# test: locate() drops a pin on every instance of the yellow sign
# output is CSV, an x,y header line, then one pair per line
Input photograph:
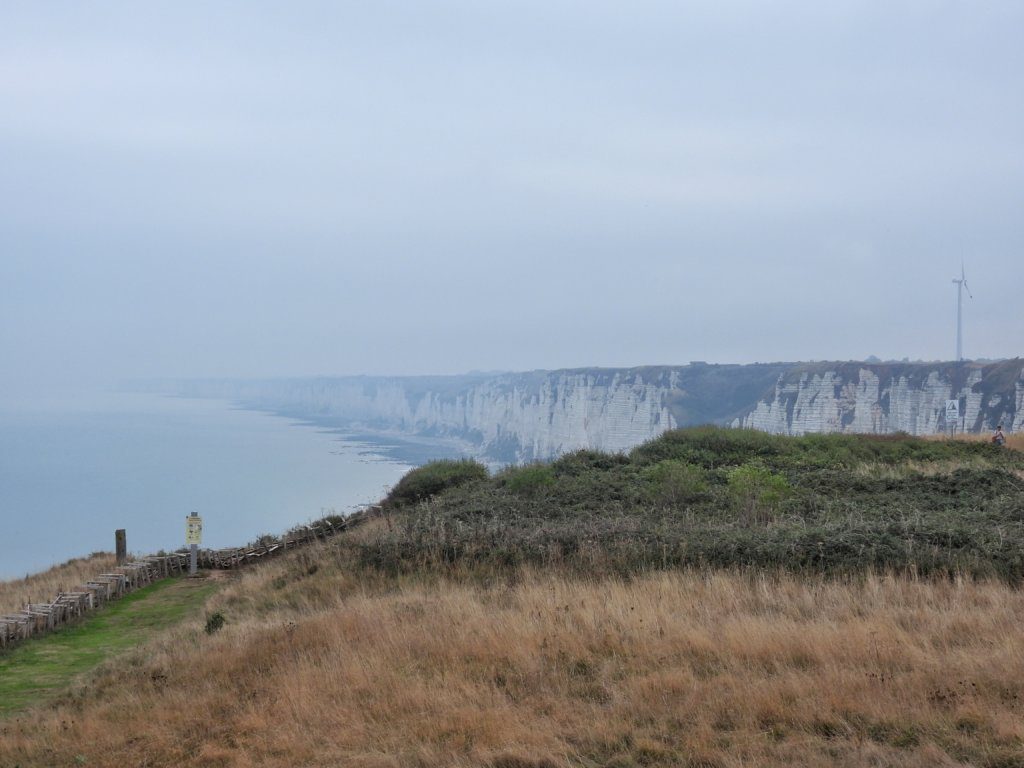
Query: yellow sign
x,y
193,529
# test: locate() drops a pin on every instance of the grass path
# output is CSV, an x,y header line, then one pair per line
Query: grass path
x,y
44,666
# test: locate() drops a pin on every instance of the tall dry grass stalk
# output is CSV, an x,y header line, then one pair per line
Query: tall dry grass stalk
x,y
43,587
318,666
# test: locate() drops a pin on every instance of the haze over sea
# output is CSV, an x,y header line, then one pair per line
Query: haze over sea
x,y
74,470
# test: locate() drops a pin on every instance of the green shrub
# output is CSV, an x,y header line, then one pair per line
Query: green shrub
x,y
433,478
710,447
674,482
214,622
531,481
585,460
756,491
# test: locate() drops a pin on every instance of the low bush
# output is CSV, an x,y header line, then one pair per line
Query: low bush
x,y
673,482
757,492
583,461
214,622
531,481
431,479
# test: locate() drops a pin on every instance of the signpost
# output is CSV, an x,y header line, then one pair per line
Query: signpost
x,y
952,414
193,537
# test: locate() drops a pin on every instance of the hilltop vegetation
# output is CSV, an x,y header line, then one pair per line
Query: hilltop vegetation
x,y
716,497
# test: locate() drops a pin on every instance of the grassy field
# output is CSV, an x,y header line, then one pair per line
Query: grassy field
x,y
323,664
35,670
656,609
43,587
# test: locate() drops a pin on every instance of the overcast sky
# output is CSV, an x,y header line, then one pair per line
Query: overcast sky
x,y
246,189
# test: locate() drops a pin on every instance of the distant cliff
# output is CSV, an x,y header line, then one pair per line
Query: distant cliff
x,y
883,398
514,416
541,414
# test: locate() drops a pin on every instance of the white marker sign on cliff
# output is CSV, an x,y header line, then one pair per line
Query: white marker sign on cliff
x,y
952,413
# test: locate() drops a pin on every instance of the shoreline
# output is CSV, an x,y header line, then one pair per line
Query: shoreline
x,y
140,461
399,447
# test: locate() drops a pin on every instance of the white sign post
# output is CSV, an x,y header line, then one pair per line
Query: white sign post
x,y
952,414
193,537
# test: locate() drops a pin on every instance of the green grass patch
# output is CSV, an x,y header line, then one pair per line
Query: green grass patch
x,y
43,666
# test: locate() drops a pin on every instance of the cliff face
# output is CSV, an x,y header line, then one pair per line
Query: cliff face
x,y
854,397
516,416
541,414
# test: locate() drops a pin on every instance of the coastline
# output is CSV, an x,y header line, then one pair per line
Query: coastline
x,y
400,447
73,472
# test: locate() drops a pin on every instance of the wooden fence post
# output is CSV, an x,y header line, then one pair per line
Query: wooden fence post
x,y
121,546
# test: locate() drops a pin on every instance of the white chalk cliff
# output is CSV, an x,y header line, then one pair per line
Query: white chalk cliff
x,y
512,417
884,399
542,414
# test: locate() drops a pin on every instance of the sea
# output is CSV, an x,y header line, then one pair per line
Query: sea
x,y
75,469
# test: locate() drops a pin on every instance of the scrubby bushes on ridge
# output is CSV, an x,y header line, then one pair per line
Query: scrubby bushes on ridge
x,y
708,496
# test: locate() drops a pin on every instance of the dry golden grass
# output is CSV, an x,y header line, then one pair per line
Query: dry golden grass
x,y
879,469
1014,440
321,666
43,587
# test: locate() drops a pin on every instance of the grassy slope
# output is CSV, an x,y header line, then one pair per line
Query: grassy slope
x,y
447,634
36,669
324,664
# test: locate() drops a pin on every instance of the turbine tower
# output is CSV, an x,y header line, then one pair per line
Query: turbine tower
x,y
961,286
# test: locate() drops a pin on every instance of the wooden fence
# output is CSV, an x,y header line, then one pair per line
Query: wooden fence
x,y
38,618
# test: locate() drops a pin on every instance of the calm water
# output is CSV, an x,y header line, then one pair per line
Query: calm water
x,y
71,473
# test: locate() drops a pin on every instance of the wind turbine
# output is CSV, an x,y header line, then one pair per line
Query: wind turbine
x,y
961,286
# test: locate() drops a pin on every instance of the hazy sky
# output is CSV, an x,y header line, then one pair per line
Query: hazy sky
x,y
191,189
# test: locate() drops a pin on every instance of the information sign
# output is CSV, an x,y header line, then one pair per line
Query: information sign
x,y
193,529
